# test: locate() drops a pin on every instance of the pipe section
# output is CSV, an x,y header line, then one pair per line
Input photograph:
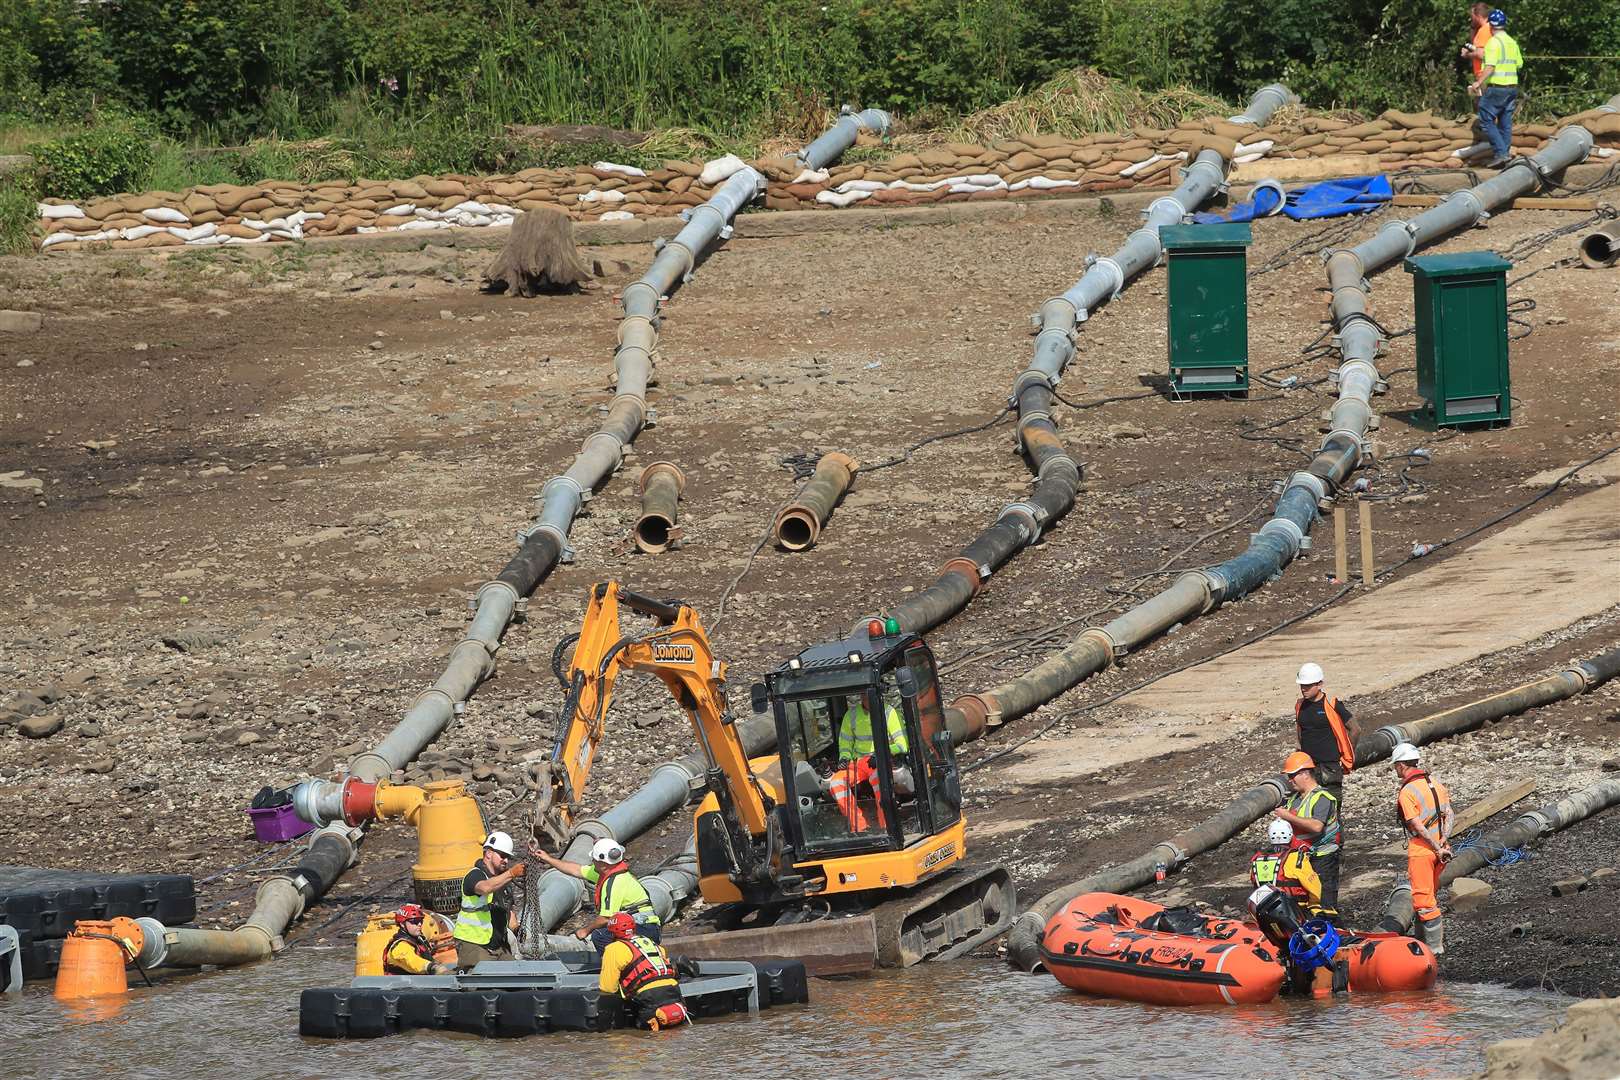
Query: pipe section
x,y
1525,829
1024,940
1600,248
1281,539
1057,475
832,143
662,485
800,522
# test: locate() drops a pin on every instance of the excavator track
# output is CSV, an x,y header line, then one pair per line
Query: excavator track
x,y
946,918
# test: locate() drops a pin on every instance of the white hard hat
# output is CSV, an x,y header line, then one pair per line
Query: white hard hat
x,y
1279,831
1404,751
499,841
1309,673
607,850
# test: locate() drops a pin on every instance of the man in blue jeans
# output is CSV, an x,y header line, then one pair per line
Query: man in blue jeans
x,y
1497,86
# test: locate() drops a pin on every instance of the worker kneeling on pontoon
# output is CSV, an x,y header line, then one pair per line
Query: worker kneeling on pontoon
x,y
637,968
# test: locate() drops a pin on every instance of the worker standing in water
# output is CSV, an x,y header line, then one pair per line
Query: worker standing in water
x,y
482,926
637,968
1313,812
1497,87
1285,864
409,952
1323,725
615,890
1424,809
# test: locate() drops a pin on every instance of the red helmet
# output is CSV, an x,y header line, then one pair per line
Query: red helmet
x,y
622,926
409,913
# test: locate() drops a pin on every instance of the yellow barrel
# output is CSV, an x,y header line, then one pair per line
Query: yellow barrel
x,y
371,942
450,838
92,963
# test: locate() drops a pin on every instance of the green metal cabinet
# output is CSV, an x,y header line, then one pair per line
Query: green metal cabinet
x,y
1462,337
1209,307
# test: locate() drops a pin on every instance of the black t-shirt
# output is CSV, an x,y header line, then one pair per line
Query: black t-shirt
x,y
497,914
1316,733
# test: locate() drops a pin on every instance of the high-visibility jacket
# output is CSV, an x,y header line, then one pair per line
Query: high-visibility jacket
x,y
476,922
1503,57
855,739
407,955
1327,841
1341,733
1290,872
1424,809
619,890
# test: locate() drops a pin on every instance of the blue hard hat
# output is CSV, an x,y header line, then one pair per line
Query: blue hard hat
x,y
1497,17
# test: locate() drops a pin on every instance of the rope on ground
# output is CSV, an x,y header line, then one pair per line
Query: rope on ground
x,y
1495,854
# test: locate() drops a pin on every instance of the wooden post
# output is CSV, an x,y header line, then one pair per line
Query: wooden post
x,y
1341,550
1365,509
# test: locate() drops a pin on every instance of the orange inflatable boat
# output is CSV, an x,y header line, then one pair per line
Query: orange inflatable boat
x,y
1122,947
1385,962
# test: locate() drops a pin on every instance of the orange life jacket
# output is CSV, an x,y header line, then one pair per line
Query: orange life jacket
x,y
1341,734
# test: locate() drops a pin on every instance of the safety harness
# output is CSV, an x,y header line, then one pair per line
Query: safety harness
x,y
418,945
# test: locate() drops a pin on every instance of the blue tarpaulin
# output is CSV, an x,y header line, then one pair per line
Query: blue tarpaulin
x,y
1336,198
1330,198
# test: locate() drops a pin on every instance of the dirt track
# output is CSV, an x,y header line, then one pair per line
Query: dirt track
x,y
323,453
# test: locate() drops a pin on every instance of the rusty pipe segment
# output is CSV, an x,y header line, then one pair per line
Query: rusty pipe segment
x,y
799,524
662,485
1600,248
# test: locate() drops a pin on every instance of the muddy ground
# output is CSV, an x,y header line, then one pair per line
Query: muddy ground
x,y
297,467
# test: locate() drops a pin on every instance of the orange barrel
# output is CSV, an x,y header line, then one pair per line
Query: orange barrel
x,y
93,961
371,942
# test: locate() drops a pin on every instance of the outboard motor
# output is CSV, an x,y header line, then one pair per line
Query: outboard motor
x,y
1308,948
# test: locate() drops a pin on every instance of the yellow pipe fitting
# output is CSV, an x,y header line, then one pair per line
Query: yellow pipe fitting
x,y
450,838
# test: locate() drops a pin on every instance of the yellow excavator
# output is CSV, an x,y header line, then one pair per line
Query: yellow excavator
x,y
852,828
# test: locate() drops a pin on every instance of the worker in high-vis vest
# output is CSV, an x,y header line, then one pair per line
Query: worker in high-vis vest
x,y
1497,86
1322,723
482,925
614,891
1285,864
638,969
855,739
1314,814
1424,810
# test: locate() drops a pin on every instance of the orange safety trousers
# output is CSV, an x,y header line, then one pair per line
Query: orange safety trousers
x,y
845,785
1423,870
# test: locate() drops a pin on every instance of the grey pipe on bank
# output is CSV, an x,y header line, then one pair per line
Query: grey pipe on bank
x,y
799,523
1024,939
1057,475
1600,248
1525,829
1281,539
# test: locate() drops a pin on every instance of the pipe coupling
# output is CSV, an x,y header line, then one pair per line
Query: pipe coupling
x,y
965,568
640,325
371,766
1059,461
595,828
1113,649
566,482
1218,585
1543,822
1289,533
1276,784
691,780
1058,311
981,712
1203,583
1033,416
1355,440
655,469
1406,229
876,121
1032,377
1466,195
1344,263
525,535
1174,856
1115,271
495,586
154,942
1217,174
1392,734
1058,339
618,452
1588,674
1028,517
640,299
1311,482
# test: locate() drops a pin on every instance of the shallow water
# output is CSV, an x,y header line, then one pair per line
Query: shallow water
x,y
964,1018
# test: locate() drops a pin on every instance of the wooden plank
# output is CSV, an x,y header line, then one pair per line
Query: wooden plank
x,y
1364,508
1481,811
1524,202
1341,550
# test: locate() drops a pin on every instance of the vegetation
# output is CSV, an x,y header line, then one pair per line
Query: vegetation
x,y
318,89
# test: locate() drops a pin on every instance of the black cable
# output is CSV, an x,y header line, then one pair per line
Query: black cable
x,y
914,447
1104,401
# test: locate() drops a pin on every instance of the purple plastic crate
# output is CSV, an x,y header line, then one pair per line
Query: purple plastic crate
x,y
277,824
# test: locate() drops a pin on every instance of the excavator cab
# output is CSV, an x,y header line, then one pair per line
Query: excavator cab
x,y
866,760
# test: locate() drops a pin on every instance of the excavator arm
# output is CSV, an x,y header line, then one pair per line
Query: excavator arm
x,y
677,651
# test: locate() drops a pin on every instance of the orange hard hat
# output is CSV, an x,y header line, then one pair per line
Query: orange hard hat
x,y
1298,760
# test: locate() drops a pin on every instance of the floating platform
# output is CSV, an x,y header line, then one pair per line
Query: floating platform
x,y
42,905
514,998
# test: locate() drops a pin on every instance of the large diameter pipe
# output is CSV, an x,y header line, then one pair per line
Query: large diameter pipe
x,y
1057,475
1600,248
1525,829
832,143
1024,940
661,487
800,522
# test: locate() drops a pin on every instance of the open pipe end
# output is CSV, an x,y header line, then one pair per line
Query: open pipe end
x,y
1600,250
797,529
654,533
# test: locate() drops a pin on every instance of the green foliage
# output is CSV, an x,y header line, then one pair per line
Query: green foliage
x,y
18,212
104,160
